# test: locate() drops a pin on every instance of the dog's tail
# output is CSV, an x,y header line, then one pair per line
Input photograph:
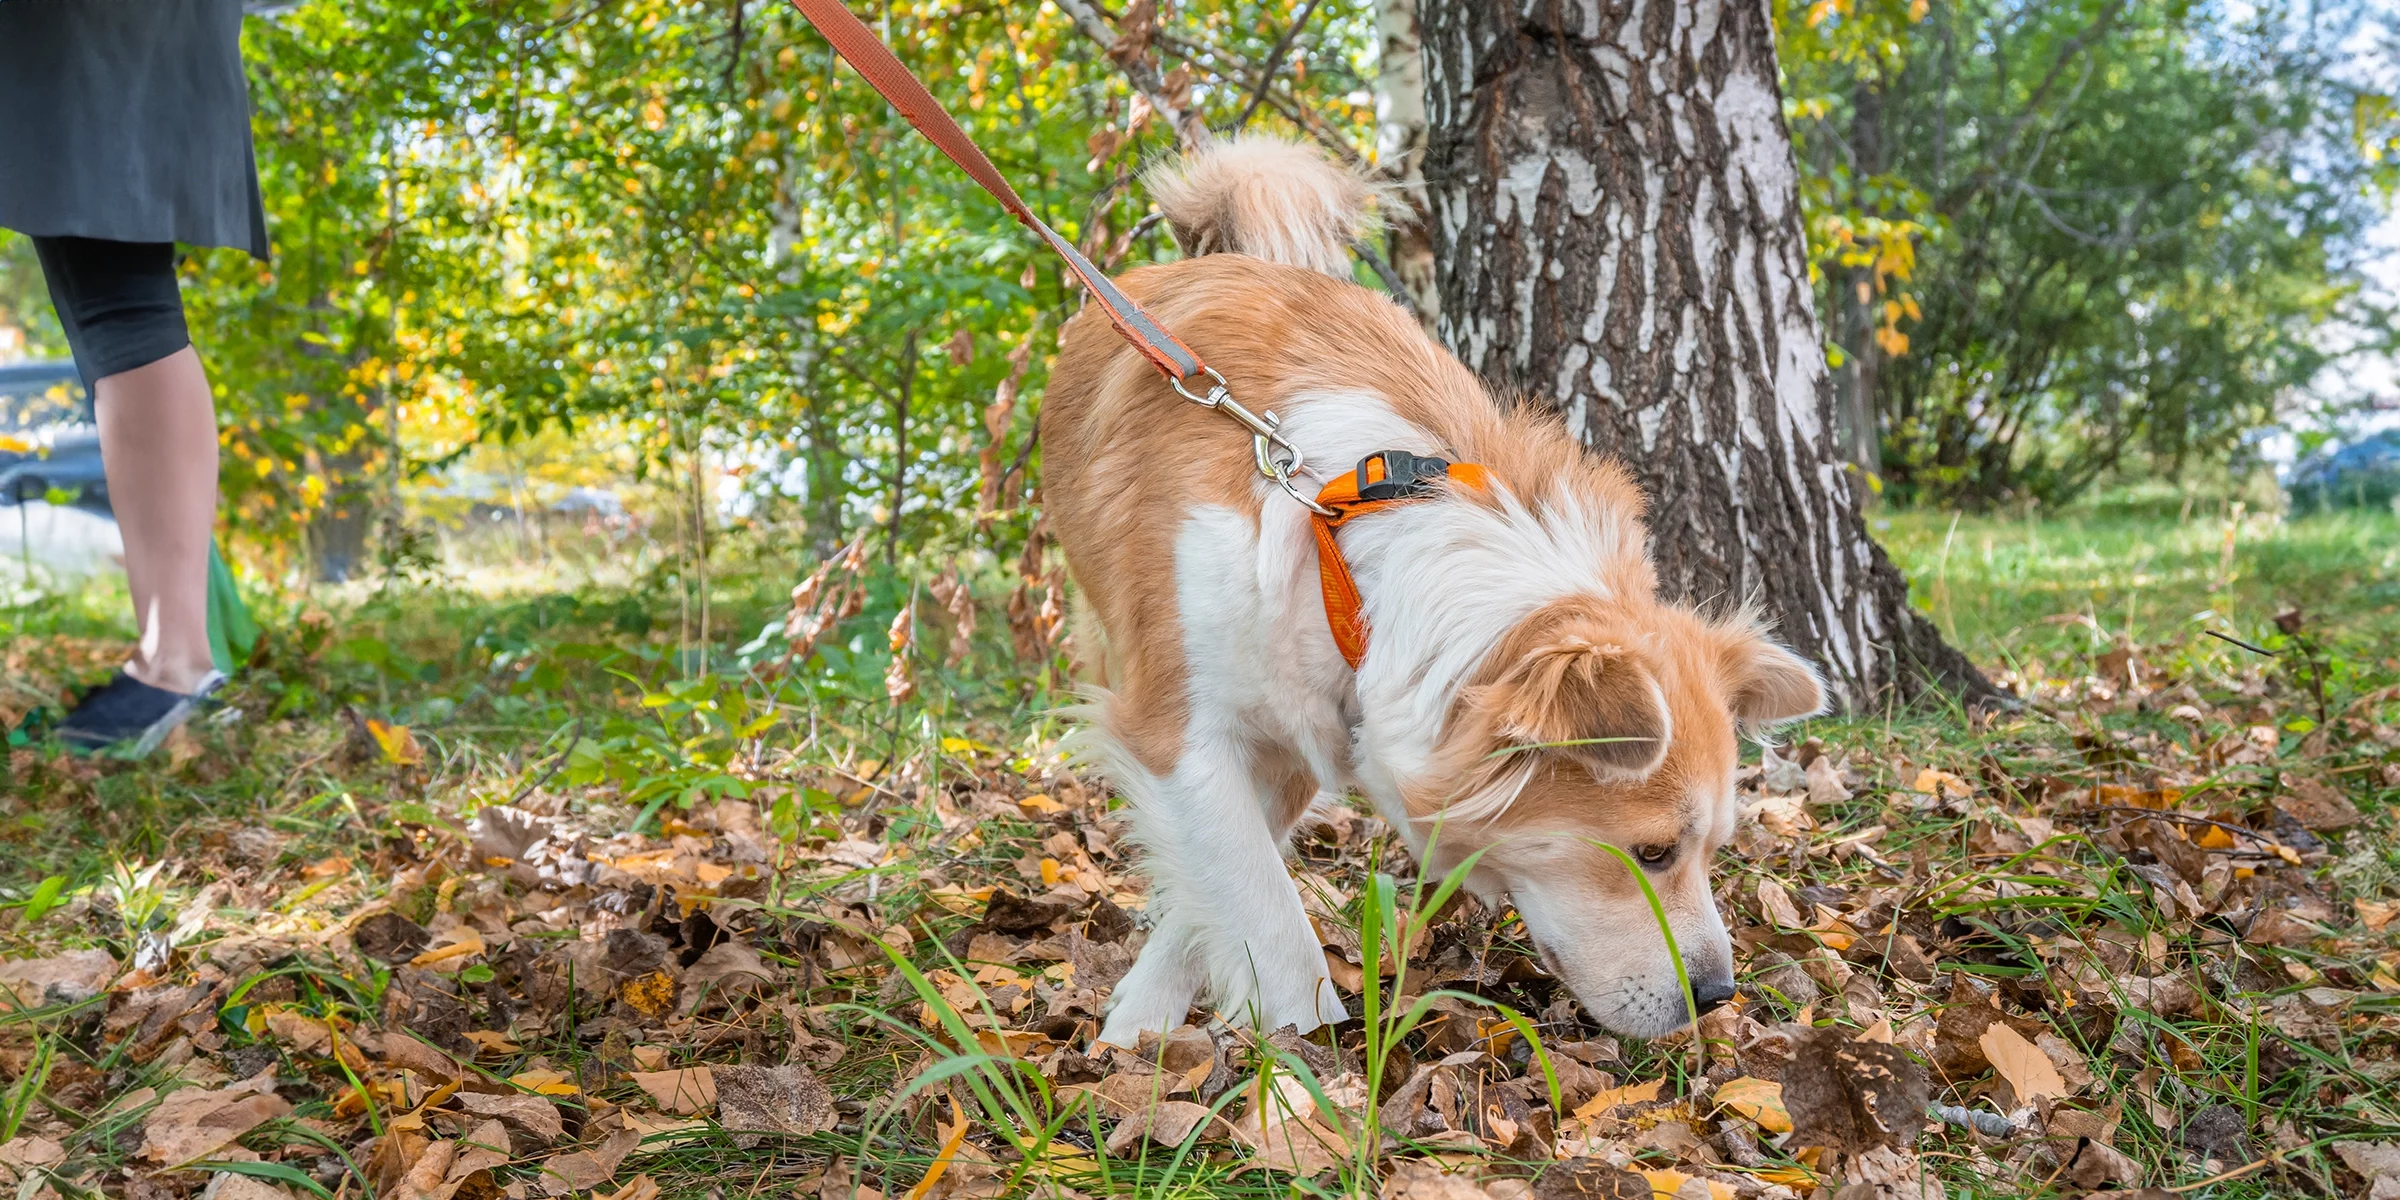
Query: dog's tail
x,y
1267,198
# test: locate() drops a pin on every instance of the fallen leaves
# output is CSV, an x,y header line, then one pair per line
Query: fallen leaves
x,y
1852,1095
752,1101
2029,1072
69,978
190,1122
682,1092
1758,1099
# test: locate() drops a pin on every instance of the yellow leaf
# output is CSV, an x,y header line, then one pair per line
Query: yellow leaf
x,y
398,744
545,1083
652,995
1608,1098
2020,1062
951,1137
1668,1182
1039,805
464,942
2216,839
1758,1099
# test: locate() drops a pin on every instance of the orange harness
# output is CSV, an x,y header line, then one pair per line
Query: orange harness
x,y
1381,481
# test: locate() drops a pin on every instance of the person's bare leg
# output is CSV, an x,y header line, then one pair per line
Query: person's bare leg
x,y
158,443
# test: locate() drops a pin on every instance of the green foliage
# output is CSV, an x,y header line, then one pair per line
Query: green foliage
x,y
684,233
2136,224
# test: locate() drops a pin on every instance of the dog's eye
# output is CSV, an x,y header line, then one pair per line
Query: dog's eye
x,y
1654,856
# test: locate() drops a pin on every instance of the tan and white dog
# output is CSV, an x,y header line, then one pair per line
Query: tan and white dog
x,y
1524,691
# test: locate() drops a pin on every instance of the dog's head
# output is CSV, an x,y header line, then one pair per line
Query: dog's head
x,y
1597,723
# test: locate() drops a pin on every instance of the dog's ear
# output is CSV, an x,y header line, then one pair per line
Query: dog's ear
x,y
1592,700
1766,684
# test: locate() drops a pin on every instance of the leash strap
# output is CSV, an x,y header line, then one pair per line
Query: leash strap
x,y
883,71
1381,481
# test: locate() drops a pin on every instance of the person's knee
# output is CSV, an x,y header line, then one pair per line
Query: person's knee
x,y
118,302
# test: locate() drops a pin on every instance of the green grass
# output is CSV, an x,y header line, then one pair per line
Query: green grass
x,y
2006,590
606,692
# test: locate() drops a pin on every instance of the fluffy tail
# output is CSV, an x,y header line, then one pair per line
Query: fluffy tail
x,y
1267,198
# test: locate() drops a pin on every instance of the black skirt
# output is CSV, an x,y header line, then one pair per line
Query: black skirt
x,y
127,120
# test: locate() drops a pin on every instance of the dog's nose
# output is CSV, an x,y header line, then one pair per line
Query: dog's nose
x,y
1709,994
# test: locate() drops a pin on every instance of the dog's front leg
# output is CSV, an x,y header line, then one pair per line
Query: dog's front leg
x,y
1227,915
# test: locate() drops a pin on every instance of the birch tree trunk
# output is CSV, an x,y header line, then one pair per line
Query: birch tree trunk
x,y
1617,231
1400,153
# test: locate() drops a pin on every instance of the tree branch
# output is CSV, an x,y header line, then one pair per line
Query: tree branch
x,y
1266,77
1134,60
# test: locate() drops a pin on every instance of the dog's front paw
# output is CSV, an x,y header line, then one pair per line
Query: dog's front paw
x,y
1307,1008
1153,1000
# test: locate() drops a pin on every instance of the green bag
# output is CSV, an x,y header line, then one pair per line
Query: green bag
x,y
232,634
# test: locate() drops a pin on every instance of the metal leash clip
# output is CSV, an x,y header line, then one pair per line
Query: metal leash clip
x,y
1266,439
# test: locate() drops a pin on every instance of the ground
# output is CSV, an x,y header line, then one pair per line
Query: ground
x,y
473,891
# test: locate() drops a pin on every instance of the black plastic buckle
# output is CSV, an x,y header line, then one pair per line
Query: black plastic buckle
x,y
1405,476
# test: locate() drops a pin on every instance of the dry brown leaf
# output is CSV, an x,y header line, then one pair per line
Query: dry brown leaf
x,y
405,1049
2316,805
483,1148
683,1092
2029,1072
68,978
583,1170
424,1178
1423,1180
531,1116
1168,1124
226,1185
1776,903
752,1101
2378,1161
1853,1095
190,1122
300,1032
640,1187
29,1150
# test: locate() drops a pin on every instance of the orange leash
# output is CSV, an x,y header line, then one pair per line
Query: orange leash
x,y
884,72
1381,481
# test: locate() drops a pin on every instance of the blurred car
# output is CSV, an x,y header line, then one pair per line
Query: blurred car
x,y
47,442
2362,474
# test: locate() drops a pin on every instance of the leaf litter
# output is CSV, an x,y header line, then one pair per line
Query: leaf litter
x,y
2133,937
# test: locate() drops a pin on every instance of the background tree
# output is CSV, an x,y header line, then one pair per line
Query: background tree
x,y
2137,219
1618,229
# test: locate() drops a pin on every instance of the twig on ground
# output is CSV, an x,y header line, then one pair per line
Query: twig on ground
x,y
1987,1124
2227,637
573,736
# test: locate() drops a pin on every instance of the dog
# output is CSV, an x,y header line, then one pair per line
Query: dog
x,y
1524,694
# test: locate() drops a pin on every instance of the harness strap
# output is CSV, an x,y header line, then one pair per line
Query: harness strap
x,y
1381,481
883,71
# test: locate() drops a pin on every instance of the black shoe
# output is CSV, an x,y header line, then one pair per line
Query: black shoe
x,y
127,712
